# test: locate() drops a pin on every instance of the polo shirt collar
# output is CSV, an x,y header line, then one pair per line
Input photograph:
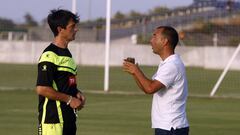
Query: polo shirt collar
x,y
169,58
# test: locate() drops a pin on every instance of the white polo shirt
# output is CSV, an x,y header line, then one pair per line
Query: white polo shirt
x,y
169,104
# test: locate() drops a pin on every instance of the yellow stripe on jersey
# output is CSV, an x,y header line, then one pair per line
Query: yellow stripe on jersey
x,y
58,103
64,63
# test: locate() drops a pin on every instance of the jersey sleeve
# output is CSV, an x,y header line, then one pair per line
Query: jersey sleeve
x,y
45,74
46,69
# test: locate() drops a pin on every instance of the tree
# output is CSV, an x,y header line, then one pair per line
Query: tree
x,y
44,22
100,20
159,10
30,21
119,15
6,23
135,14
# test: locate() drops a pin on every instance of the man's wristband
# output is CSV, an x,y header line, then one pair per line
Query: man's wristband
x,y
69,100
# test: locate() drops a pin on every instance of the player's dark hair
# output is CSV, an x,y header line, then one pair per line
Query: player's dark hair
x,y
171,34
60,18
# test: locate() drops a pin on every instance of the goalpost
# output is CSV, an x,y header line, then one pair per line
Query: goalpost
x,y
224,72
74,6
107,45
107,40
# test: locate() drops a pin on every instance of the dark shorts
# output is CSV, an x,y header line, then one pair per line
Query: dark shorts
x,y
181,131
69,129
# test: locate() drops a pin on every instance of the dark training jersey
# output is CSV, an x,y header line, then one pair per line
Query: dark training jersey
x,y
56,69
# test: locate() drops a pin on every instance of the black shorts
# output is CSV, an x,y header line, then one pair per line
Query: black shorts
x,y
181,131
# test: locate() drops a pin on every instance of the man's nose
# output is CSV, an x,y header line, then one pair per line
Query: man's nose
x,y
76,29
151,40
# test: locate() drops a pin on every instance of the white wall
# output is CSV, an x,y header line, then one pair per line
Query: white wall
x,y
93,54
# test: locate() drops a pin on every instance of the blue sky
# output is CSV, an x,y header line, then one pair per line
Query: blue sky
x,y
16,9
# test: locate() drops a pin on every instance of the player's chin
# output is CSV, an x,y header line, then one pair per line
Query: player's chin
x,y
73,38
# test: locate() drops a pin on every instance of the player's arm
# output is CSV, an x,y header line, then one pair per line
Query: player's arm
x,y
147,85
46,72
52,94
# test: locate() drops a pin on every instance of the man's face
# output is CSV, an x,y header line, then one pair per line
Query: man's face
x,y
157,41
70,31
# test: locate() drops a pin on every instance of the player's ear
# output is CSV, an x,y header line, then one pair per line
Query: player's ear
x,y
59,29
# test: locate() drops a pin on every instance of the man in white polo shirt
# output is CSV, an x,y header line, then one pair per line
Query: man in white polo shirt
x,y
168,85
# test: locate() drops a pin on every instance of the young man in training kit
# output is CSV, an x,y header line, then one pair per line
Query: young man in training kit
x,y
59,98
168,85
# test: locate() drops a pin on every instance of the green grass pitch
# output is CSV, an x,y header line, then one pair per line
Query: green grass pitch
x,y
119,114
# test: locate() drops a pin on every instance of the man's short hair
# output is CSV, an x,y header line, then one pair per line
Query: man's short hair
x,y
171,34
60,18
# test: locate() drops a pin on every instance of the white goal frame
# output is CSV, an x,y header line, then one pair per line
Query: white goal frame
x,y
220,79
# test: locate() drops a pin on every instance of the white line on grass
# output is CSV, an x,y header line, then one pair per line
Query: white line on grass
x,y
119,92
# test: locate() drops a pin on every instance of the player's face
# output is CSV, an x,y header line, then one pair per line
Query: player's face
x,y
157,41
70,31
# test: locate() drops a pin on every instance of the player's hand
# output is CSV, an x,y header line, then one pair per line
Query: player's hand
x,y
75,103
130,67
82,98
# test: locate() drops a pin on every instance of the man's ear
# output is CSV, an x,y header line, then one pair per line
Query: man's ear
x,y
165,41
59,29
